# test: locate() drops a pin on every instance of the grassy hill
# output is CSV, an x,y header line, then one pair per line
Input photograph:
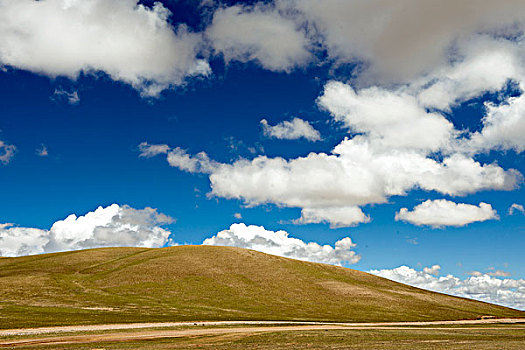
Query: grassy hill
x,y
207,283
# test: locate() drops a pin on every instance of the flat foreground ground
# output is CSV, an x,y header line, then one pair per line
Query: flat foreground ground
x,y
487,334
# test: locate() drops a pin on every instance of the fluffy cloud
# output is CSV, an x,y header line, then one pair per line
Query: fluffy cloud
x,y
6,152
516,207
503,127
399,40
507,292
434,270
355,174
388,118
105,227
15,241
441,212
487,64
336,217
291,130
400,137
136,44
279,243
258,33
128,41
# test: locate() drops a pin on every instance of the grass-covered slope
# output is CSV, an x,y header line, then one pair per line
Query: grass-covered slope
x,y
207,283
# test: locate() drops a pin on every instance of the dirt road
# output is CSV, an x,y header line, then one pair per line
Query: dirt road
x,y
197,329
123,326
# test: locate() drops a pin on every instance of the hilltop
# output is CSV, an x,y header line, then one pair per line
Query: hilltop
x,y
111,285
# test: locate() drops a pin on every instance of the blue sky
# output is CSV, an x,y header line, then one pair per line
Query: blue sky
x,y
92,113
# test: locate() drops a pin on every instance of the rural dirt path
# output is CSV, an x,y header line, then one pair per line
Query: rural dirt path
x,y
183,333
120,326
249,327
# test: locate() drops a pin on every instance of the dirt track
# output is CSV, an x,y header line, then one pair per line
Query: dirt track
x,y
251,327
108,327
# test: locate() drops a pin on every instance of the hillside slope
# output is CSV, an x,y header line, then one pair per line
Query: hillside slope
x,y
208,283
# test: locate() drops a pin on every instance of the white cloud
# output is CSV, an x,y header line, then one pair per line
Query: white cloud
x,y
237,216
400,136
258,33
336,217
105,227
179,158
388,118
291,130
503,127
69,97
487,64
434,270
441,212
355,174
200,163
279,243
516,207
506,291
6,152
15,241
42,151
130,42
148,151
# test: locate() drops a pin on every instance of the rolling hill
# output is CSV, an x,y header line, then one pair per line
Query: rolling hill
x,y
122,285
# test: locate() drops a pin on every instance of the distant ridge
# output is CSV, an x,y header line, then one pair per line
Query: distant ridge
x,y
120,285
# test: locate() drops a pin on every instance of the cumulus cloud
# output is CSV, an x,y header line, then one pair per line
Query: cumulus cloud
x,y
388,118
503,127
128,41
479,286
260,33
136,44
486,65
336,217
441,212
398,40
400,136
7,152
516,207
105,227
434,270
279,243
355,174
291,130
15,241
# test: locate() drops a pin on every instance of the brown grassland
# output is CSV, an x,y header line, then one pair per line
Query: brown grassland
x,y
188,283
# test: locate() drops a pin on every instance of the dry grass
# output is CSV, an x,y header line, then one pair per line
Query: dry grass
x,y
509,338
208,283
